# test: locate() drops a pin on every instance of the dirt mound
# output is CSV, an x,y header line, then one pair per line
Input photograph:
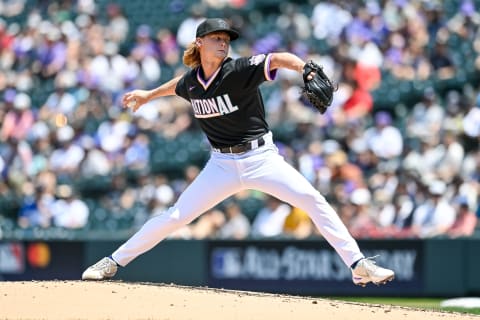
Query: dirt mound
x,y
119,300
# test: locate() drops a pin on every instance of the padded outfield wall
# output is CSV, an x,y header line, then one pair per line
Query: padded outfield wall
x,y
436,267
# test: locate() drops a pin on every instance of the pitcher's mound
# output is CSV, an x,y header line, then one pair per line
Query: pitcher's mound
x,y
118,300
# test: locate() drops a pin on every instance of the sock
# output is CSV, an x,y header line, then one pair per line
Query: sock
x,y
110,256
355,264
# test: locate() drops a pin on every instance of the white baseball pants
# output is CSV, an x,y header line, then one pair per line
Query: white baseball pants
x,y
262,169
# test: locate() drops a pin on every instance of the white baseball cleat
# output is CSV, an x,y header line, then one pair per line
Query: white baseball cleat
x,y
103,269
367,271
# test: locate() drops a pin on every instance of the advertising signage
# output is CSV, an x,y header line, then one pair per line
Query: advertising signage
x,y
39,260
309,267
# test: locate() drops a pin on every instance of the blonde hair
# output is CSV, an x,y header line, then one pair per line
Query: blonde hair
x,y
191,56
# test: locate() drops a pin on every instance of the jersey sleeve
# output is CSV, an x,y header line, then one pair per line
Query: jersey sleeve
x,y
181,88
255,70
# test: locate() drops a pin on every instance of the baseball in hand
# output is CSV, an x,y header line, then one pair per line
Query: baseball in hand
x,y
132,103
60,120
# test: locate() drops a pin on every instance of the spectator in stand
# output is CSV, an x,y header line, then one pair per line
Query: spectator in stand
x,y
441,61
137,152
471,127
471,167
427,116
450,163
207,225
436,215
186,29
120,198
455,105
35,211
6,38
310,160
236,225
65,160
154,194
6,103
322,15
68,211
293,23
384,139
362,223
110,68
118,26
164,195
19,120
145,187
466,21
59,101
434,16
385,182
17,157
358,104
465,220
47,179
342,172
395,216
111,135
95,162
51,52
39,137
167,47
145,54
424,160
270,220
298,224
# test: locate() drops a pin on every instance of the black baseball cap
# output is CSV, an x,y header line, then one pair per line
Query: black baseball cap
x,y
214,25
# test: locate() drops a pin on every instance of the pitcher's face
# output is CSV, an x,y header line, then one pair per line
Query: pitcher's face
x,y
215,45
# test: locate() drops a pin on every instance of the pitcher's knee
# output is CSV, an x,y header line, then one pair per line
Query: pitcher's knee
x,y
174,218
313,201
320,199
314,198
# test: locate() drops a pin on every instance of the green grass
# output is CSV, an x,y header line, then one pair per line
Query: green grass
x,y
421,303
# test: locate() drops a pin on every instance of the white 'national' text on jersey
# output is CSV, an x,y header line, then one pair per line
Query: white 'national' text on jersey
x,y
228,105
213,107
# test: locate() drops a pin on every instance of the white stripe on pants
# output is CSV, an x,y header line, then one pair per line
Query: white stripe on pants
x,y
262,169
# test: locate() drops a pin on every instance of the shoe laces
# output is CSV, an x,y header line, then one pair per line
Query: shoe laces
x,y
372,259
371,263
103,264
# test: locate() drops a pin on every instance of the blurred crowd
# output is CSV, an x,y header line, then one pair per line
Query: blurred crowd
x,y
409,170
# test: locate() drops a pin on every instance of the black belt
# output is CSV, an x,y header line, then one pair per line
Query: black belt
x,y
241,148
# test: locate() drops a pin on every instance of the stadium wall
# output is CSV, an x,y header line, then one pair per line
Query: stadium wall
x,y
434,267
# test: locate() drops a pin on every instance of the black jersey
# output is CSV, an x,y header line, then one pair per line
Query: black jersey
x,y
229,106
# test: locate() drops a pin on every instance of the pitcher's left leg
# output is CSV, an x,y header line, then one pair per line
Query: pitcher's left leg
x,y
278,178
271,174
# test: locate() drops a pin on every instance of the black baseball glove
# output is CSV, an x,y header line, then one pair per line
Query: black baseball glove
x,y
318,90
